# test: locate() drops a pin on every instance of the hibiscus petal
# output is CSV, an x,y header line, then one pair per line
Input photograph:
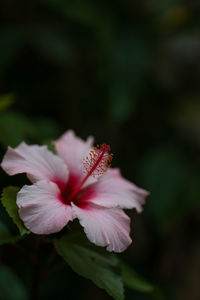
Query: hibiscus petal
x,y
105,227
37,161
40,208
73,149
112,190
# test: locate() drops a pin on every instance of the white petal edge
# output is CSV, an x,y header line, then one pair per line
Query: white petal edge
x,y
105,227
112,190
37,161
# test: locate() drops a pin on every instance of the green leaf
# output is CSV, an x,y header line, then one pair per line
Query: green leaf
x,y
11,286
6,101
5,235
88,14
134,281
46,130
9,202
14,128
12,40
91,263
169,177
50,42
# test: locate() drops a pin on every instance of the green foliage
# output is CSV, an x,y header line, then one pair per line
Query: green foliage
x,y
87,13
15,128
9,202
126,72
11,41
96,264
45,130
170,181
87,262
11,286
5,235
50,42
6,101
132,280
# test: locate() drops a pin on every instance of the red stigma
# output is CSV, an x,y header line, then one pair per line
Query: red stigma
x,y
98,161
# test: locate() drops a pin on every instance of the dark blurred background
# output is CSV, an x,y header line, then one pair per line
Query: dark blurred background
x,y
127,72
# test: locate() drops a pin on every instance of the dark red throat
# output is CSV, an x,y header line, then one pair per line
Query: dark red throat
x,y
95,164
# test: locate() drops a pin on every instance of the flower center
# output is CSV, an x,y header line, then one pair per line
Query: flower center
x,y
95,164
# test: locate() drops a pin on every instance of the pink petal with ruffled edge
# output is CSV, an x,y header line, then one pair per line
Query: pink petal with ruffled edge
x,y
112,190
40,208
105,227
73,149
37,161
46,207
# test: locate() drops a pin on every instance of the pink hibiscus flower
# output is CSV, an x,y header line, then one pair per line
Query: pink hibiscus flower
x,y
75,183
